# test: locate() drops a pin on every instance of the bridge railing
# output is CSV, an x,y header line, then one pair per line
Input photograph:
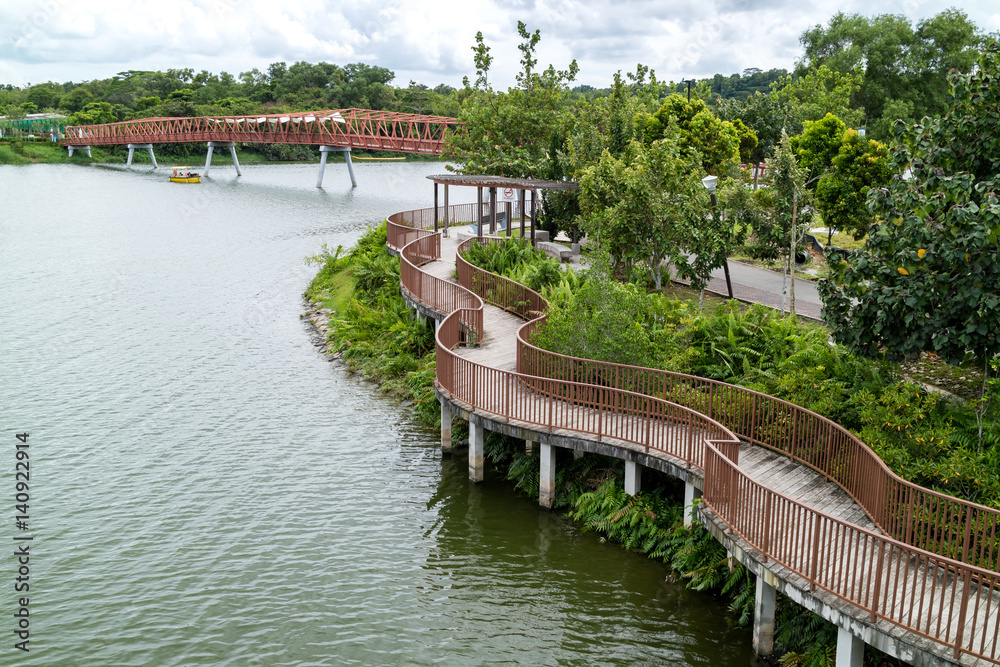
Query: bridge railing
x,y
356,128
924,518
934,596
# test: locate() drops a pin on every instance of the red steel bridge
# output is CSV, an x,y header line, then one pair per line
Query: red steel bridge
x,y
337,130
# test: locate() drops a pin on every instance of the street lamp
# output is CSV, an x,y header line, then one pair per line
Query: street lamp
x,y
710,182
688,82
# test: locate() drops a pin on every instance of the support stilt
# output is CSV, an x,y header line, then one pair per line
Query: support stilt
x,y
323,150
529,447
212,145
633,477
690,493
131,152
475,452
850,649
547,477
763,616
78,148
445,429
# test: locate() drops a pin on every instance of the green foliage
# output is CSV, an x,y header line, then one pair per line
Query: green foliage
x,y
508,134
816,93
611,321
927,279
860,165
900,64
372,327
818,145
701,135
647,205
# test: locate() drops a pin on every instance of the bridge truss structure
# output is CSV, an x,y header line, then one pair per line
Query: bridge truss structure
x,y
347,128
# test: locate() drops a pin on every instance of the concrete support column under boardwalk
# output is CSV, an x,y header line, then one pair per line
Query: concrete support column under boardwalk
x,y
131,152
78,148
633,478
850,649
690,493
212,145
323,151
445,429
475,452
530,446
763,614
547,476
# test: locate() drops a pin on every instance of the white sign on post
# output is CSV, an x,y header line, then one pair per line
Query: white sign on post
x,y
507,194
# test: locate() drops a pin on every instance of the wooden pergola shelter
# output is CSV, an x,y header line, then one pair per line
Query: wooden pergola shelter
x,y
493,183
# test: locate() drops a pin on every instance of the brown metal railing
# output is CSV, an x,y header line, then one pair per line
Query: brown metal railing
x,y
944,525
937,597
933,572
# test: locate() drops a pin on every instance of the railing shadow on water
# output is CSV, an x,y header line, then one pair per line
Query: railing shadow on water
x,y
932,572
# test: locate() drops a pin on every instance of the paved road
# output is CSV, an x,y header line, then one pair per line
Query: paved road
x,y
754,284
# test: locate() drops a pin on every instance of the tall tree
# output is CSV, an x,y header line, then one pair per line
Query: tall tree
x,y
508,134
928,278
860,164
645,205
899,63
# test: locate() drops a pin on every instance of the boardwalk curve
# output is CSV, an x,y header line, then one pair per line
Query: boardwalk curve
x,y
920,582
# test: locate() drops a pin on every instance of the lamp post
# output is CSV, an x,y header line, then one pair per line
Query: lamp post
x,y
688,82
710,182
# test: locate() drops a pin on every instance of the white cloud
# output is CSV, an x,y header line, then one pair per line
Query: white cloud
x,y
429,42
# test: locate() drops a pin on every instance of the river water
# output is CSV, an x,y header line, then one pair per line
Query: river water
x,y
206,490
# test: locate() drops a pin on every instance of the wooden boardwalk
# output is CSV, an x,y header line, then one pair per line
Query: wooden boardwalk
x,y
836,561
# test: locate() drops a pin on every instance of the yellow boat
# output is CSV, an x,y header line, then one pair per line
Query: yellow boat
x,y
185,175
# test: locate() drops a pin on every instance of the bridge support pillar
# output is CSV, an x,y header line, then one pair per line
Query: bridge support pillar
x,y
131,152
78,148
763,615
850,649
323,150
547,477
690,493
633,477
577,454
475,452
445,429
529,447
212,145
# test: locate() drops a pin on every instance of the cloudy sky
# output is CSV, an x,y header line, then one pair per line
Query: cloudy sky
x,y
429,42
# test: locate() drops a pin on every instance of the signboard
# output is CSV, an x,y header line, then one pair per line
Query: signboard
x,y
507,194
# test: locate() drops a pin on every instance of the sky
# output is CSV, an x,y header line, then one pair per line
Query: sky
x,y
426,42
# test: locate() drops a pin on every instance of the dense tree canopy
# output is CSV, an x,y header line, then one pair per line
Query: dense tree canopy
x,y
928,278
899,63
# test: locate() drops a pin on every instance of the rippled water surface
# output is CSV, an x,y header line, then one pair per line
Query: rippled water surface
x,y
207,490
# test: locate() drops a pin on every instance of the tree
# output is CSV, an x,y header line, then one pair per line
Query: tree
x,y
76,99
93,114
715,141
765,115
816,93
645,205
783,233
841,194
818,144
509,134
898,62
928,278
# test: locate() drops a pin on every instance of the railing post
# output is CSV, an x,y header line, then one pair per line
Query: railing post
x,y
766,538
753,419
878,581
966,585
814,559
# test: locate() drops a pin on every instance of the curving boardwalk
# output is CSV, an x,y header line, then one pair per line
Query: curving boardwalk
x,y
801,501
